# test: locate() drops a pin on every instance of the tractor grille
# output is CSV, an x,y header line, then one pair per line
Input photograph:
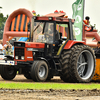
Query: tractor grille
x,y
19,52
19,44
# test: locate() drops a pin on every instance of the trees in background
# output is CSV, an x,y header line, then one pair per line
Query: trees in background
x,y
2,23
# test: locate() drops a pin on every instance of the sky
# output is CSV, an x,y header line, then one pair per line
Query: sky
x,y
43,7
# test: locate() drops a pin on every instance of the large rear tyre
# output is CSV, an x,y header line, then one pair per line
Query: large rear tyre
x,y
80,66
39,71
8,72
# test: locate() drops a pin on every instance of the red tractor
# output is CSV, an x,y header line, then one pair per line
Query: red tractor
x,y
52,51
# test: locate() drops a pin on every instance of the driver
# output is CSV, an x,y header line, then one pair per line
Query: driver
x,y
51,32
57,36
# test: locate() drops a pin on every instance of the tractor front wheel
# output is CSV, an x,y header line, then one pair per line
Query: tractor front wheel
x,y
8,72
39,71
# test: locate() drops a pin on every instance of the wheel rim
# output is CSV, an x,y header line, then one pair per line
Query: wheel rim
x,y
85,64
42,71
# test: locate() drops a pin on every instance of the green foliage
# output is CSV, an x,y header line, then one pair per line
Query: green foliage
x,y
38,15
2,23
36,85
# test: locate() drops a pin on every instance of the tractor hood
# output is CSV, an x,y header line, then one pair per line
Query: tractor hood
x,y
29,44
34,45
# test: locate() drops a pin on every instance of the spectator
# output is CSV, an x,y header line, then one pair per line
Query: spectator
x,y
1,48
8,47
86,23
97,49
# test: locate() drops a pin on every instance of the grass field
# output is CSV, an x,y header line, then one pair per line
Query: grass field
x,y
48,86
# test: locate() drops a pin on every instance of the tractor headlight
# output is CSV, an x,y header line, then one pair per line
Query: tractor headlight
x,y
16,57
22,57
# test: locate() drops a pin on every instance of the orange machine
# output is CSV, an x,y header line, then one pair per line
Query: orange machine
x,y
97,71
16,24
88,35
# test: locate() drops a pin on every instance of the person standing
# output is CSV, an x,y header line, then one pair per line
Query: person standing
x,y
8,48
1,48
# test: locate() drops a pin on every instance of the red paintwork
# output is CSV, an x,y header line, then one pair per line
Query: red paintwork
x,y
90,34
28,55
16,34
84,35
70,43
93,34
54,18
33,11
34,45
62,11
86,22
87,28
55,14
56,11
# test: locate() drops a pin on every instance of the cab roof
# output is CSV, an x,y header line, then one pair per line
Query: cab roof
x,y
58,17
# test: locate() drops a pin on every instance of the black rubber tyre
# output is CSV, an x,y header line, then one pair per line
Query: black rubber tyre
x,y
75,69
49,78
39,71
8,72
27,75
50,75
65,59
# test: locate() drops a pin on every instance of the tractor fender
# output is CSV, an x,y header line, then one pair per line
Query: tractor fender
x,y
68,44
41,58
48,62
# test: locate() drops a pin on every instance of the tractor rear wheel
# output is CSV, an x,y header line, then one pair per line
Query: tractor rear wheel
x,y
8,72
39,71
79,65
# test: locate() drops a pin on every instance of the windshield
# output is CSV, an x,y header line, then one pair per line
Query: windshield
x,y
43,32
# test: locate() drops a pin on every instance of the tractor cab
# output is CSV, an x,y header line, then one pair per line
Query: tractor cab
x,y
53,32
51,29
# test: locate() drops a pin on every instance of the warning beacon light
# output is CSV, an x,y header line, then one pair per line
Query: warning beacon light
x,y
34,13
56,11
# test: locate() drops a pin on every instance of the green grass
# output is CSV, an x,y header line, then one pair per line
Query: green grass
x,y
35,85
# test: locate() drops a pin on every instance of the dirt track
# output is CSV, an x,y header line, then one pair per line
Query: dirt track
x,y
11,94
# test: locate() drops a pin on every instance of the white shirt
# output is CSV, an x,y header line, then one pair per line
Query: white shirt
x,y
5,45
1,47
